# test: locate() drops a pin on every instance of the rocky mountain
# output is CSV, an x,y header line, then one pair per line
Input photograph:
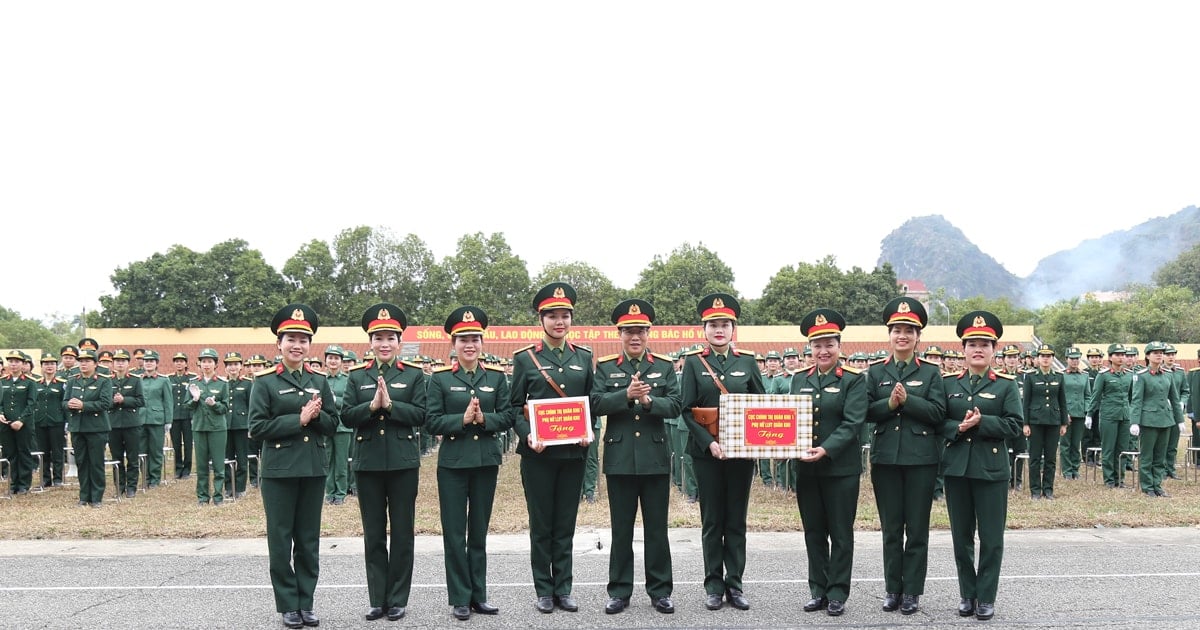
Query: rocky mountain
x,y
1109,263
958,265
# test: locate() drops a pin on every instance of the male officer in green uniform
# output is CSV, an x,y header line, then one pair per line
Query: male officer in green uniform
x,y
907,404
552,475
125,438
87,399
1109,406
1046,421
1153,410
181,424
1179,377
17,395
828,473
637,391
1076,389
339,451
237,440
50,421
1091,433
209,400
158,411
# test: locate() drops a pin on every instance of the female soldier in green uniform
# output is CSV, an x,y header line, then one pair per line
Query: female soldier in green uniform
x,y
293,412
385,403
468,405
552,476
723,484
983,408
87,399
827,476
1153,410
907,404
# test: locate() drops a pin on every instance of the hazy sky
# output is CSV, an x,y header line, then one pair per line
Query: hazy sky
x,y
772,132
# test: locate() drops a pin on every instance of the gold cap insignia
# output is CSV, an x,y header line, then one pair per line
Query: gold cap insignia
x,y
821,321
718,303
468,316
559,293
979,323
298,315
383,314
903,308
634,309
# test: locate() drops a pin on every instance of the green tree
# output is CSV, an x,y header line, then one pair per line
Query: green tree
x,y
676,283
1080,322
796,290
1165,313
1184,271
484,272
244,289
18,332
596,294
309,274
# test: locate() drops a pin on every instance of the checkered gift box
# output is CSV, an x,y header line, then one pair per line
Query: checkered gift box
x,y
766,423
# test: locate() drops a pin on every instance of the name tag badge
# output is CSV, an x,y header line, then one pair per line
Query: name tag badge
x,y
91,387
737,373
654,375
458,388
576,368
884,383
806,390
1054,382
214,391
617,375
367,386
311,390
287,391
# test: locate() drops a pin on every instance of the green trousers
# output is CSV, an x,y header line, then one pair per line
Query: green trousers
x,y
724,490
153,436
387,503
977,505
904,497
1070,448
1043,454
1152,460
828,506
210,456
552,490
625,494
465,497
293,509
337,483
89,461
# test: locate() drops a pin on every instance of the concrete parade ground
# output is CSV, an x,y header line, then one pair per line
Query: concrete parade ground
x,y
1095,578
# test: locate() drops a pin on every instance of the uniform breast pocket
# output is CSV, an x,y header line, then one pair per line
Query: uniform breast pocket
x,y
659,438
281,458
612,438
924,441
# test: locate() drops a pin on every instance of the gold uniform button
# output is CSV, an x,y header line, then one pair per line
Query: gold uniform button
x,y
475,437
897,428
968,439
278,445
924,433
817,397
816,409
472,392
636,418
816,424
452,438
306,438
637,434
969,398
410,436
381,431
995,451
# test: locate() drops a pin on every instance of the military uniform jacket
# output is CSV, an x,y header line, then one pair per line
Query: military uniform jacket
x,y
387,440
1045,398
1077,388
449,392
908,435
338,385
573,374
289,449
16,397
1155,403
179,386
1110,396
126,414
635,437
96,394
212,418
1180,377
159,394
839,410
738,373
239,403
980,452
1193,378
47,403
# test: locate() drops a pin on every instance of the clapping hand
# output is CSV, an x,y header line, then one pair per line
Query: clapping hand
x,y
970,420
637,390
898,398
311,410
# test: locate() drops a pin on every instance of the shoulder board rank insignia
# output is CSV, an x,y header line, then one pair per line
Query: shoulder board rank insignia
x,y
222,379
1194,369
663,357
586,349
852,370
443,368
270,370
1010,377
743,353
611,357
691,352
358,367
494,368
414,365
520,350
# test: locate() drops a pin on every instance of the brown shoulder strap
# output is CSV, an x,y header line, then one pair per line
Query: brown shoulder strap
x,y
716,381
538,365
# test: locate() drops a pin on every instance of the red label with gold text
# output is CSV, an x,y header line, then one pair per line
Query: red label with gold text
x,y
559,421
770,427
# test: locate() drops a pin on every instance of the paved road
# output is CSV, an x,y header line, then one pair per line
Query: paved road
x,y
1102,578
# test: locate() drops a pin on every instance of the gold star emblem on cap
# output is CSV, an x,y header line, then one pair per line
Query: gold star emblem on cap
x,y
634,309
298,315
383,314
468,316
903,308
979,323
559,293
821,321
718,303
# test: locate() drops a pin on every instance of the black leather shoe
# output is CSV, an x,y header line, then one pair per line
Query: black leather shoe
x,y
1048,495
713,601
309,618
891,601
966,608
984,611
1172,475
692,498
566,602
616,605
129,494
396,613
909,604
461,613
1160,493
835,608
545,604
373,613
484,608
1150,493
815,604
291,619
1035,497
737,599
664,605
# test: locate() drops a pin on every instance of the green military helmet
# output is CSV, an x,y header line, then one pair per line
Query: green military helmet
x,y
179,356
1131,351
934,351
807,351
774,354
232,357
1170,349
859,356
351,356
1074,353
151,355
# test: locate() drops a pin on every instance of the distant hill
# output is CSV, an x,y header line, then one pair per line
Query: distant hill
x,y
1115,260
1108,263
931,249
